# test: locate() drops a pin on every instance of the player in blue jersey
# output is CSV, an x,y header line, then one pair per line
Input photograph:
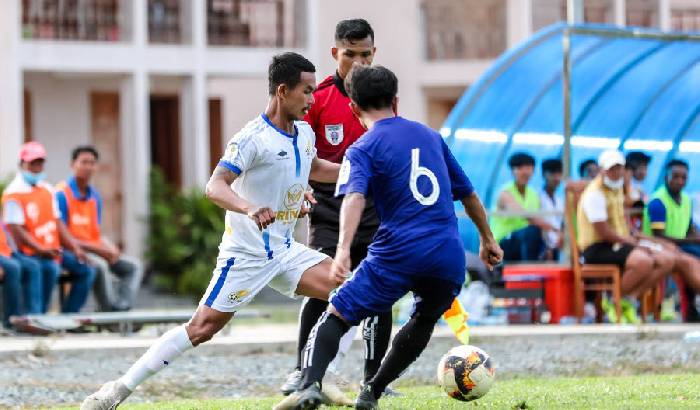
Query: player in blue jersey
x,y
414,179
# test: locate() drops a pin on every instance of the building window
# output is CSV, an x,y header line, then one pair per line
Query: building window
x,y
642,13
164,21
255,23
464,29
546,12
96,20
685,19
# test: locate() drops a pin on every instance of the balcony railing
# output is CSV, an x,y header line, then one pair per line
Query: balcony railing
x,y
464,29
255,23
96,20
685,19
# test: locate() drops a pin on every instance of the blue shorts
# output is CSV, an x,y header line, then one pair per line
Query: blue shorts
x,y
374,289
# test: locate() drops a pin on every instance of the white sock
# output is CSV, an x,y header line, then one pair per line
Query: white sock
x,y
166,349
343,348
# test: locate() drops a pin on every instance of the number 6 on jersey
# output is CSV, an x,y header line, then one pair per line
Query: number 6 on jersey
x,y
418,171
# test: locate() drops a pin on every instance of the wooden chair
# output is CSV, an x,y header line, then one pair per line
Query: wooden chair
x,y
589,277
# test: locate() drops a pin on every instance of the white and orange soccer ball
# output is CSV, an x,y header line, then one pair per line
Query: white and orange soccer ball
x,y
465,373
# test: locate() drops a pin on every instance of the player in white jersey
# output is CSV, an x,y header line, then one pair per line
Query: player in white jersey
x,y
261,182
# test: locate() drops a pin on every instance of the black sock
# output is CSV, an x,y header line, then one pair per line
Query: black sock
x,y
408,344
321,348
376,333
311,310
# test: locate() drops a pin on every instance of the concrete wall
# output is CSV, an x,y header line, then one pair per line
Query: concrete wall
x,y
60,107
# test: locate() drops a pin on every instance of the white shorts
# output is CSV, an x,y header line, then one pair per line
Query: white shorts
x,y
237,280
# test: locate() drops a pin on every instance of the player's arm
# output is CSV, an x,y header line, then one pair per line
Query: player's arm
x,y
323,170
219,191
489,251
463,191
68,242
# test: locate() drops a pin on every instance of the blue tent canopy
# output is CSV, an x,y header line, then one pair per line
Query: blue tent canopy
x,y
627,92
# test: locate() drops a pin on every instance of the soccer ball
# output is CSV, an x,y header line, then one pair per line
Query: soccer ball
x,y
465,373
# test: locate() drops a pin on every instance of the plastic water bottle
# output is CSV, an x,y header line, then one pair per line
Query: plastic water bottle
x,y
692,337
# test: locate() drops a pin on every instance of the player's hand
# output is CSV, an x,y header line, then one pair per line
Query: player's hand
x,y
490,253
263,217
340,270
307,204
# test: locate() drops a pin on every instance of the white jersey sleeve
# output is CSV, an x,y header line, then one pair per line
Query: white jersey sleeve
x,y
240,154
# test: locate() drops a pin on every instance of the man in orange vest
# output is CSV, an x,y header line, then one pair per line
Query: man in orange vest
x,y
11,278
81,211
33,219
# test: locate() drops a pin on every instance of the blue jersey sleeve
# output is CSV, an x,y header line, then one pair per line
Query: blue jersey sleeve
x,y
657,214
355,173
461,185
62,206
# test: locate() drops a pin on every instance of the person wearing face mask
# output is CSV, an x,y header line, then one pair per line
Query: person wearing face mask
x,y
604,236
34,221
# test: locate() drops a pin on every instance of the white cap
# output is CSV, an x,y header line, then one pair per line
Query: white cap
x,y
610,158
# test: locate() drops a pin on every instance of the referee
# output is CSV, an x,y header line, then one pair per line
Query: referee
x,y
337,128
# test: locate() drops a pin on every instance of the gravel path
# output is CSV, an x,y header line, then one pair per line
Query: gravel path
x,y
46,378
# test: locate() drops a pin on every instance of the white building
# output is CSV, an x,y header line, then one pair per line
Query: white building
x,y
166,82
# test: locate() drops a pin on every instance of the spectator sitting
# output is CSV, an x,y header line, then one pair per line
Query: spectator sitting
x,y
520,237
11,276
81,211
605,238
552,171
588,169
33,219
669,216
636,164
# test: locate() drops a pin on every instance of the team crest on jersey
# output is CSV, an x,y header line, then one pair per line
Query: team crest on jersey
x,y
334,134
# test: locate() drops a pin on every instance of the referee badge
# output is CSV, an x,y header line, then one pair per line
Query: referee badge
x,y
334,134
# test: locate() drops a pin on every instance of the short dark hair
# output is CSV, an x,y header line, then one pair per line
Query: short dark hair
x,y
372,87
552,165
584,164
353,30
85,148
520,159
677,163
286,68
634,159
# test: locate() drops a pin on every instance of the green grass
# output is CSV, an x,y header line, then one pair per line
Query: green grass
x,y
678,391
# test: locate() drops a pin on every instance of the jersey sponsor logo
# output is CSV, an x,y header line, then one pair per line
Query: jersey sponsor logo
x,y
309,148
78,219
46,232
238,296
232,150
292,203
292,198
334,134
282,153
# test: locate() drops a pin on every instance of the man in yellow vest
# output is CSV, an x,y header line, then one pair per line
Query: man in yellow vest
x,y
604,235
520,237
669,216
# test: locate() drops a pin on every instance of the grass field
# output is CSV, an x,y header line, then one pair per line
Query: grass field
x,y
677,391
